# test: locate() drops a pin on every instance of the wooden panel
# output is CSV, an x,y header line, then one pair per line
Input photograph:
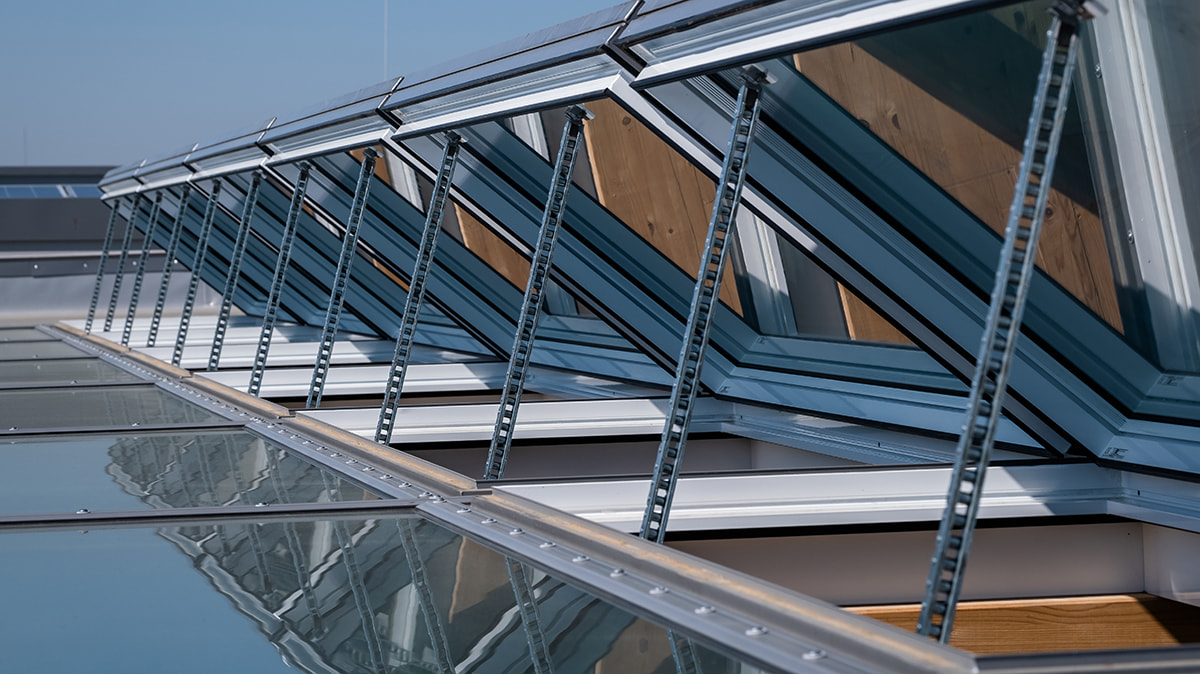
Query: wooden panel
x,y
1059,624
495,251
973,166
652,189
864,323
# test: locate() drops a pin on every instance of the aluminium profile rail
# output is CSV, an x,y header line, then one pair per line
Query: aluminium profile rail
x,y
416,290
164,284
235,271
189,303
1013,274
341,280
271,313
704,296
531,305
135,293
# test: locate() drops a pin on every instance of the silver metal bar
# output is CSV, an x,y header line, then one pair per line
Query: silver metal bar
x,y
341,280
531,306
281,264
704,295
135,293
1013,272
539,651
197,267
416,290
104,249
119,273
168,264
439,643
235,270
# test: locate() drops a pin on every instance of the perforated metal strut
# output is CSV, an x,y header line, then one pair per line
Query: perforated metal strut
x,y
416,290
1013,273
235,271
340,280
281,264
189,303
164,284
539,651
135,293
438,641
704,295
122,261
531,305
108,237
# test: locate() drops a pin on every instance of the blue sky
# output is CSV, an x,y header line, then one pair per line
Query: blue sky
x,y
97,82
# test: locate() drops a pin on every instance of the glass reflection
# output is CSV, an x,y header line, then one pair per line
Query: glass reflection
x,y
22,335
41,349
127,406
66,371
344,595
159,471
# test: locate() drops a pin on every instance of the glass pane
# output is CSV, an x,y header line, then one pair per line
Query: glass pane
x,y
157,471
22,335
21,351
314,595
128,406
44,371
953,98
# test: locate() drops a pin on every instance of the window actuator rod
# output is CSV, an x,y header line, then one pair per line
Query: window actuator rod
x,y
341,279
189,303
704,295
1013,272
165,283
108,237
235,271
416,290
119,274
277,281
531,305
135,293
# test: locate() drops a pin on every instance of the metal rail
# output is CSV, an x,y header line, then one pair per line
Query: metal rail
x,y
189,303
119,273
341,280
108,237
1013,272
704,295
416,290
168,264
281,264
135,293
235,270
531,305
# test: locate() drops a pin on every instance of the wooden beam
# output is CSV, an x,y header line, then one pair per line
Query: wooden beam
x,y
1058,624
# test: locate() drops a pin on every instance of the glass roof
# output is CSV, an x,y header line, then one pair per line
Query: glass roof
x,y
864,244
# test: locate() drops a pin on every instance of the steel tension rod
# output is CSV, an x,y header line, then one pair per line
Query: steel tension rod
x,y
1013,273
277,281
235,271
416,290
531,305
